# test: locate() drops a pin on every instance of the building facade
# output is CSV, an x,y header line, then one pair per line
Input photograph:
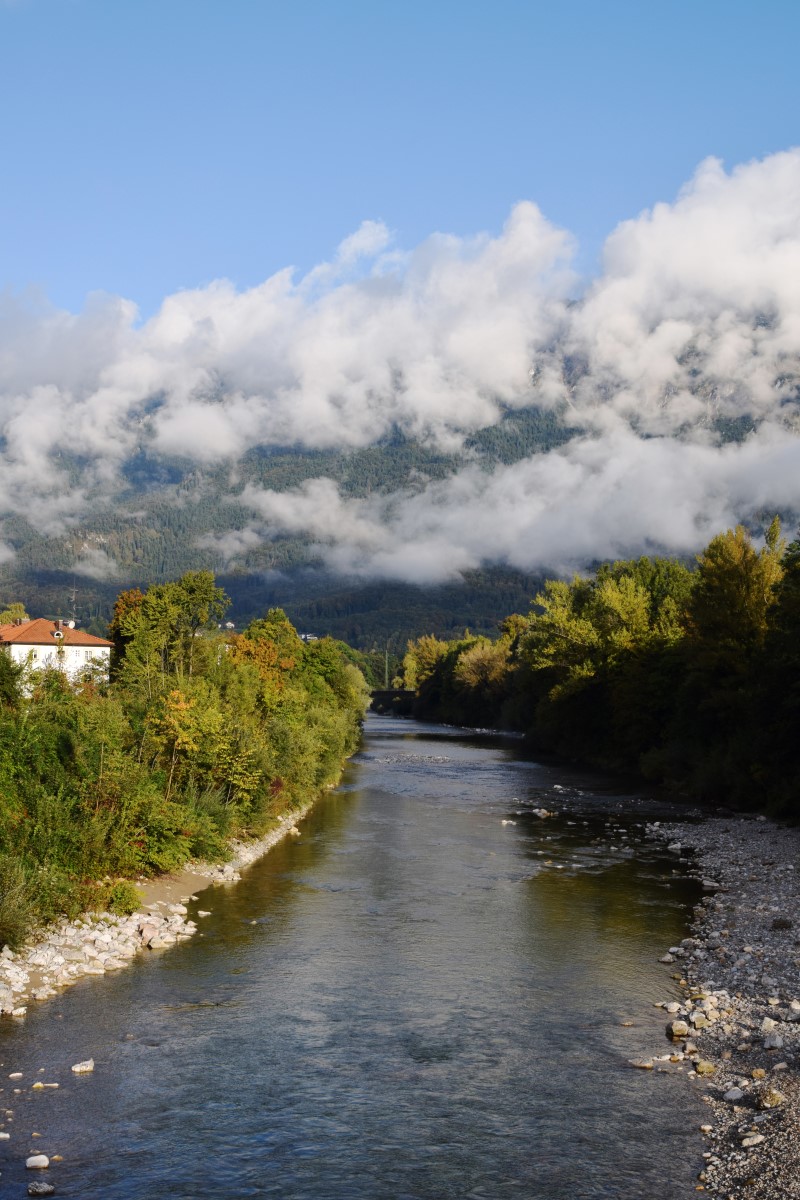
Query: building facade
x,y
40,643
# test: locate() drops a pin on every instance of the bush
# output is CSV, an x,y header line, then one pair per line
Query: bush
x,y
123,898
17,912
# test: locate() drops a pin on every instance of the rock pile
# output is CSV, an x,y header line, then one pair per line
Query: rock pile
x,y
90,946
739,1023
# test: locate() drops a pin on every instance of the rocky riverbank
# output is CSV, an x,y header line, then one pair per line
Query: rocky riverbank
x,y
739,1021
101,942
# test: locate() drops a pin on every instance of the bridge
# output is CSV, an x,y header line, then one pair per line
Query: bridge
x,y
392,700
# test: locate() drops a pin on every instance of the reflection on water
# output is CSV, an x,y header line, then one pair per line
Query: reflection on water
x,y
422,997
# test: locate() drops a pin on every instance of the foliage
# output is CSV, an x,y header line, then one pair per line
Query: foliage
x,y
14,612
198,737
689,676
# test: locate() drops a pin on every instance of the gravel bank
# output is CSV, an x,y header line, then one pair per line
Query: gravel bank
x,y
739,1022
101,942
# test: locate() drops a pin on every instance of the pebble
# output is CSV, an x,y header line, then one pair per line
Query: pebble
x,y
40,1188
84,1068
37,1162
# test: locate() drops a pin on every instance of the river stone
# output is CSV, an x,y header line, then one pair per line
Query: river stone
x,y
733,1095
73,954
772,1099
37,1162
773,1041
83,1068
677,1029
752,1139
703,1067
40,1188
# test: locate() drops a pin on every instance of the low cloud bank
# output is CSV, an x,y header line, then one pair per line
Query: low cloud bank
x,y
596,498
693,322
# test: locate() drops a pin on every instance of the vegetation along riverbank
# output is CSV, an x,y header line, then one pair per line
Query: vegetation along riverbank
x,y
687,674
201,736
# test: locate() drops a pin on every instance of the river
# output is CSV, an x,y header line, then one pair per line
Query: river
x,y
422,997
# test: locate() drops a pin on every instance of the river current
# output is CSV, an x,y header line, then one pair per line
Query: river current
x,y
427,995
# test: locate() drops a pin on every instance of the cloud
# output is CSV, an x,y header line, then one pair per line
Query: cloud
x,y
693,323
596,498
96,564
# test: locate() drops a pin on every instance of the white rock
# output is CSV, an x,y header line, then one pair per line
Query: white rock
x,y
83,1068
37,1161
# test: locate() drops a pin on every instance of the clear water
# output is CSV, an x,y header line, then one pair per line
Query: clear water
x,y
411,1000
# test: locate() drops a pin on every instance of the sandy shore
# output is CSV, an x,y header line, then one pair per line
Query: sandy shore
x,y
101,942
739,1022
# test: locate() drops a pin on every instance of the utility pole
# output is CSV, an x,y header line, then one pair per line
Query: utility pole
x,y
73,596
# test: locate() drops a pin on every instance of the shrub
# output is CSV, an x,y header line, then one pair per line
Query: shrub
x,y
17,912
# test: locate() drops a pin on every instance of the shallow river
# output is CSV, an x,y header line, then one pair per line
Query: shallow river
x,y
413,1000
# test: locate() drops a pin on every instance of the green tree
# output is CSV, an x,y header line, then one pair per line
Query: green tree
x,y
14,612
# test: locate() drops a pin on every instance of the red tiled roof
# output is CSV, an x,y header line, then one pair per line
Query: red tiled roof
x,y
39,632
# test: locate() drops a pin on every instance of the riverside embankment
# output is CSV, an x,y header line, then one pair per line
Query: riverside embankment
x,y
739,1017
436,990
97,943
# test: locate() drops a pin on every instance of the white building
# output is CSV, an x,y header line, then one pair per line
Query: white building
x,y
40,643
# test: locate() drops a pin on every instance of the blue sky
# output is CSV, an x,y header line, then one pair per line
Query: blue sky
x,y
155,145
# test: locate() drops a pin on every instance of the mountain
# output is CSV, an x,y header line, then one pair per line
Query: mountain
x,y
171,514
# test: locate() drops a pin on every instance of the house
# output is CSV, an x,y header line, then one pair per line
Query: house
x,y
40,643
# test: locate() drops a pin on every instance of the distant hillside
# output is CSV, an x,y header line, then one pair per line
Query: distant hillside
x,y
158,528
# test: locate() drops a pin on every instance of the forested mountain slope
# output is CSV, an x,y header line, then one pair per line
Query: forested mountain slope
x,y
175,516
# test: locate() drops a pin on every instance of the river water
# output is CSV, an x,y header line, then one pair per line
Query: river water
x,y
413,1000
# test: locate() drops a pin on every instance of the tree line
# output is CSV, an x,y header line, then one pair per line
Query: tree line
x,y
687,674
200,735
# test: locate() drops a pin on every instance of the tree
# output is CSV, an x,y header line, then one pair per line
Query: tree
x,y
14,612
735,589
